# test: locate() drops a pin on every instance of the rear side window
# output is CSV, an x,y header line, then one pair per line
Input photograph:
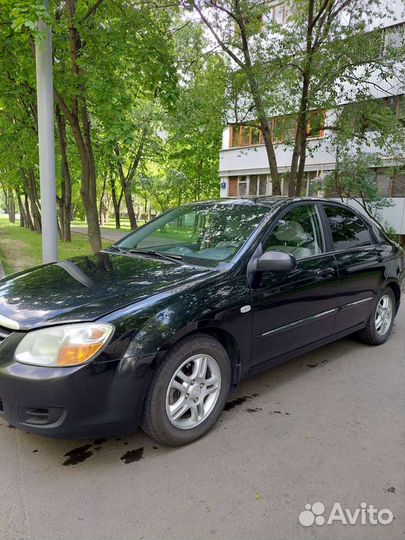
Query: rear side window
x,y
348,230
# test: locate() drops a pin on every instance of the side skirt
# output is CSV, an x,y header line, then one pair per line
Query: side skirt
x,y
297,352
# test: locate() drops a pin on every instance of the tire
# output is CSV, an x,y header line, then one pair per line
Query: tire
x,y
180,384
377,330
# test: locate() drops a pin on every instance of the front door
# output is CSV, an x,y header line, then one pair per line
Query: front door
x,y
292,309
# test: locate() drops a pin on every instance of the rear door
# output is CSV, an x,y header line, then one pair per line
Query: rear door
x,y
298,307
360,264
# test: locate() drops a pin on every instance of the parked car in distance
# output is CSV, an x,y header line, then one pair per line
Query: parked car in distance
x,y
158,329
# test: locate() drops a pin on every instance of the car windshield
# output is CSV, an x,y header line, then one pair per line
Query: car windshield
x,y
206,234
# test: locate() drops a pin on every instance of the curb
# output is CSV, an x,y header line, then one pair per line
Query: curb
x,y
2,273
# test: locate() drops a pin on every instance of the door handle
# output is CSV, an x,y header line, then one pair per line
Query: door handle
x,y
328,273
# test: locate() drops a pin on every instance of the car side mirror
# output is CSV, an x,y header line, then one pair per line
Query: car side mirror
x,y
275,261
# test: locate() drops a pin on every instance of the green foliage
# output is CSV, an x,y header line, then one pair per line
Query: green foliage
x,y
155,98
354,178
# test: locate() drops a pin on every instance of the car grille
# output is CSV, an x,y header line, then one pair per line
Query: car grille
x,y
4,333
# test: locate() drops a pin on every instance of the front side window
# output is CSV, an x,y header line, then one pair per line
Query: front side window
x,y
347,228
199,234
298,232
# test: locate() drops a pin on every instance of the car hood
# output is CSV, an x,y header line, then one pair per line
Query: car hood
x,y
86,288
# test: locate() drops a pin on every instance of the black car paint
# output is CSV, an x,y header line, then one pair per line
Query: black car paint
x,y
154,303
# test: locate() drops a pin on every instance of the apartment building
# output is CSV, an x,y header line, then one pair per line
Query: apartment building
x,y
244,169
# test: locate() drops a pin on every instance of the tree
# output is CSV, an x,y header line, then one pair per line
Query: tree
x,y
99,97
365,133
195,127
322,56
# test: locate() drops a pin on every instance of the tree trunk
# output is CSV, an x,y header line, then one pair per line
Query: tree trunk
x,y
300,145
65,203
23,217
130,207
103,204
126,181
89,187
10,205
31,192
34,200
78,119
9,202
263,119
271,155
28,219
126,184
116,201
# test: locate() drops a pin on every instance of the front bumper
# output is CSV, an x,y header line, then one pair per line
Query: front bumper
x,y
93,400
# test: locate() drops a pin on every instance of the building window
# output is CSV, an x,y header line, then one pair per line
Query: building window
x,y
283,129
252,185
234,136
277,130
242,186
397,106
245,136
258,184
383,182
280,13
398,184
393,37
316,125
390,184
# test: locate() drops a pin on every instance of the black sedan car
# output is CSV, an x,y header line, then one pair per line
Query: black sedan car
x,y
158,329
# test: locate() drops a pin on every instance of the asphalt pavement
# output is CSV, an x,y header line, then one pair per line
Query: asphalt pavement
x,y
327,427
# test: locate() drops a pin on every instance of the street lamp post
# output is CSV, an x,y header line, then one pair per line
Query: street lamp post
x,y
43,58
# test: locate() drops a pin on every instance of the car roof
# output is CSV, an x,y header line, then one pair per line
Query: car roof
x,y
265,200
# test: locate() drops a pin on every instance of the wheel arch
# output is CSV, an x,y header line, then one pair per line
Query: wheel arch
x,y
225,338
396,289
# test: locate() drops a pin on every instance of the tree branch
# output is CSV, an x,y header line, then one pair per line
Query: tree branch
x,y
223,45
92,9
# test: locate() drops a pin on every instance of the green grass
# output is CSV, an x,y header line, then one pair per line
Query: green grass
x,y
21,248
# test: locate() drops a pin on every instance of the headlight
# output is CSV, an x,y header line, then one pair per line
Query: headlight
x,y
66,345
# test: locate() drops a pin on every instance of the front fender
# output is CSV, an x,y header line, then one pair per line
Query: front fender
x,y
198,311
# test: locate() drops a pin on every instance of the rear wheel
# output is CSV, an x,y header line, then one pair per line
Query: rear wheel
x,y
188,392
381,320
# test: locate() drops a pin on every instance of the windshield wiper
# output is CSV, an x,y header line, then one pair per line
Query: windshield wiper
x,y
117,248
172,258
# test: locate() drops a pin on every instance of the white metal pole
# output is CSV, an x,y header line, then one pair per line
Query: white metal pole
x,y
43,57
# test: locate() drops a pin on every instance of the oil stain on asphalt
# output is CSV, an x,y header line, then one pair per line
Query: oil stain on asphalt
x,y
82,453
132,455
78,455
237,401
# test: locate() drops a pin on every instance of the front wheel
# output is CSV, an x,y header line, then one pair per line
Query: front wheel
x,y
381,320
188,392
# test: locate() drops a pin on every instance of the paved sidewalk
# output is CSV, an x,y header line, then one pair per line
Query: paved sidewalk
x,y
108,234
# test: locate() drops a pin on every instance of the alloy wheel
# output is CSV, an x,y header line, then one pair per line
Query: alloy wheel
x,y
193,391
383,315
